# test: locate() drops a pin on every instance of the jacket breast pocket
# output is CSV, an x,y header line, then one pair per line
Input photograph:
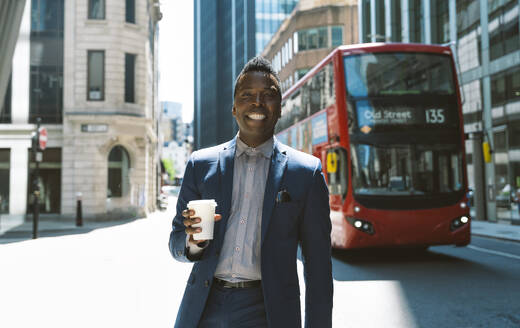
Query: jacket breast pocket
x,y
286,218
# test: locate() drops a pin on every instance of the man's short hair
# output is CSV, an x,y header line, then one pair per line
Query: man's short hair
x,y
259,64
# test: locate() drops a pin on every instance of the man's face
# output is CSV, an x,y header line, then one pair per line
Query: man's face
x,y
257,107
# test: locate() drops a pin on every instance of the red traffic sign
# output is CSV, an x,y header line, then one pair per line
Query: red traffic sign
x,y
43,138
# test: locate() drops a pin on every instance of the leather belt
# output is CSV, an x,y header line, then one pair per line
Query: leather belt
x,y
240,284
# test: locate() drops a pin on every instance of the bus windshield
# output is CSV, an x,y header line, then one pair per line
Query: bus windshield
x,y
398,73
406,169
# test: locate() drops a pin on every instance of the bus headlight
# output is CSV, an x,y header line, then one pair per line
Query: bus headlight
x,y
459,222
361,225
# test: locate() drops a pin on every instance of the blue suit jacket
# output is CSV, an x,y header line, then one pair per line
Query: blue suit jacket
x,y
304,221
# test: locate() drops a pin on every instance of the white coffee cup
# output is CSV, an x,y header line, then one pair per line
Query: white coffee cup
x,y
205,210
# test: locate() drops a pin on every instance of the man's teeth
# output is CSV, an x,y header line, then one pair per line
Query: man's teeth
x,y
256,116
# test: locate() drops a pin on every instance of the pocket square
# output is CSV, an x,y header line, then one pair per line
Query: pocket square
x,y
283,196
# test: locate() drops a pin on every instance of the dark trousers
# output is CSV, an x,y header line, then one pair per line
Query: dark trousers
x,y
234,307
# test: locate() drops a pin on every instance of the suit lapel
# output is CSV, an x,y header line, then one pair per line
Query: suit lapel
x,y
226,163
274,178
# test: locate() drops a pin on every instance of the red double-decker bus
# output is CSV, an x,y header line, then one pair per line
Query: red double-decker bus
x,y
386,122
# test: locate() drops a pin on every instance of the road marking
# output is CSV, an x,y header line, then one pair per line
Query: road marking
x,y
485,250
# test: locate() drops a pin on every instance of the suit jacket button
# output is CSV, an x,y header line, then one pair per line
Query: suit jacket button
x,y
206,283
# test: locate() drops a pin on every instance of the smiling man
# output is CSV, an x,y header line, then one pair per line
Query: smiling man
x,y
271,199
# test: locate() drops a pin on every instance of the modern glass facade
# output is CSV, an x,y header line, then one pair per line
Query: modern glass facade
x,y
488,62
46,80
227,34
269,15
5,113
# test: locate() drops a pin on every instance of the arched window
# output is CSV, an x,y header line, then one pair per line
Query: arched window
x,y
118,167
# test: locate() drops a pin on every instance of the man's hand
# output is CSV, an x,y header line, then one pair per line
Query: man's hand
x,y
189,220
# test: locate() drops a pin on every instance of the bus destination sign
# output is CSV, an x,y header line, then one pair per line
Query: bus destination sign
x,y
370,117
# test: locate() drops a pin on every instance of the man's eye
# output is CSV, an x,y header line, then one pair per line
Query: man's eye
x,y
246,94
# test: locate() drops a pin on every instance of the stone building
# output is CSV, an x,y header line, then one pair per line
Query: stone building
x,y
87,69
309,34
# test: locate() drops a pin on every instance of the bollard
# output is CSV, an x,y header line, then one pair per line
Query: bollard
x,y
79,215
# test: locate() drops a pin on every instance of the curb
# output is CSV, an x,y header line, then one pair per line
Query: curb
x,y
495,237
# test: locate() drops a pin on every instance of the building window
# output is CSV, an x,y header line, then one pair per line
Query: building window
x,y
130,11
366,21
46,61
118,166
440,22
96,75
498,90
380,21
514,136
505,88
96,9
301,72
416,21
130,78
5,159
468,34
314,38
500,141
337,36
396,21
5,114
503,31
290,48
318,38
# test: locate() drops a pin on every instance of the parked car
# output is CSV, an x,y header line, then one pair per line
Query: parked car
x,y
171,190
503,198
162,201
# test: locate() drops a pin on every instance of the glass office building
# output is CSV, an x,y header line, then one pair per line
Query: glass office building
x,y
485,38
269,15
227,34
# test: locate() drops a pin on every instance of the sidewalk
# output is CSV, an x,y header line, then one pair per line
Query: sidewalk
x,y
495,230
53,228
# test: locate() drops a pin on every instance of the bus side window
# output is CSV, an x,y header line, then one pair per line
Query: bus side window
x,y
337,171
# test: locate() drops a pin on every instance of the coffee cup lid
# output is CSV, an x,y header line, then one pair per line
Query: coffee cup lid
x,y
203,202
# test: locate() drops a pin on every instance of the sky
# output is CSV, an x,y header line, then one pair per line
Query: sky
x,y
176,55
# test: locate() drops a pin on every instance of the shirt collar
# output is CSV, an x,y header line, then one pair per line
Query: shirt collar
x,y
266,149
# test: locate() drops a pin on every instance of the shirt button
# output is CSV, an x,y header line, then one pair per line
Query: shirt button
x,y
251,169
242,221
237,248
234,275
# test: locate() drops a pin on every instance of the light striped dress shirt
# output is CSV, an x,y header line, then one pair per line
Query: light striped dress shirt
x,y
240,255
